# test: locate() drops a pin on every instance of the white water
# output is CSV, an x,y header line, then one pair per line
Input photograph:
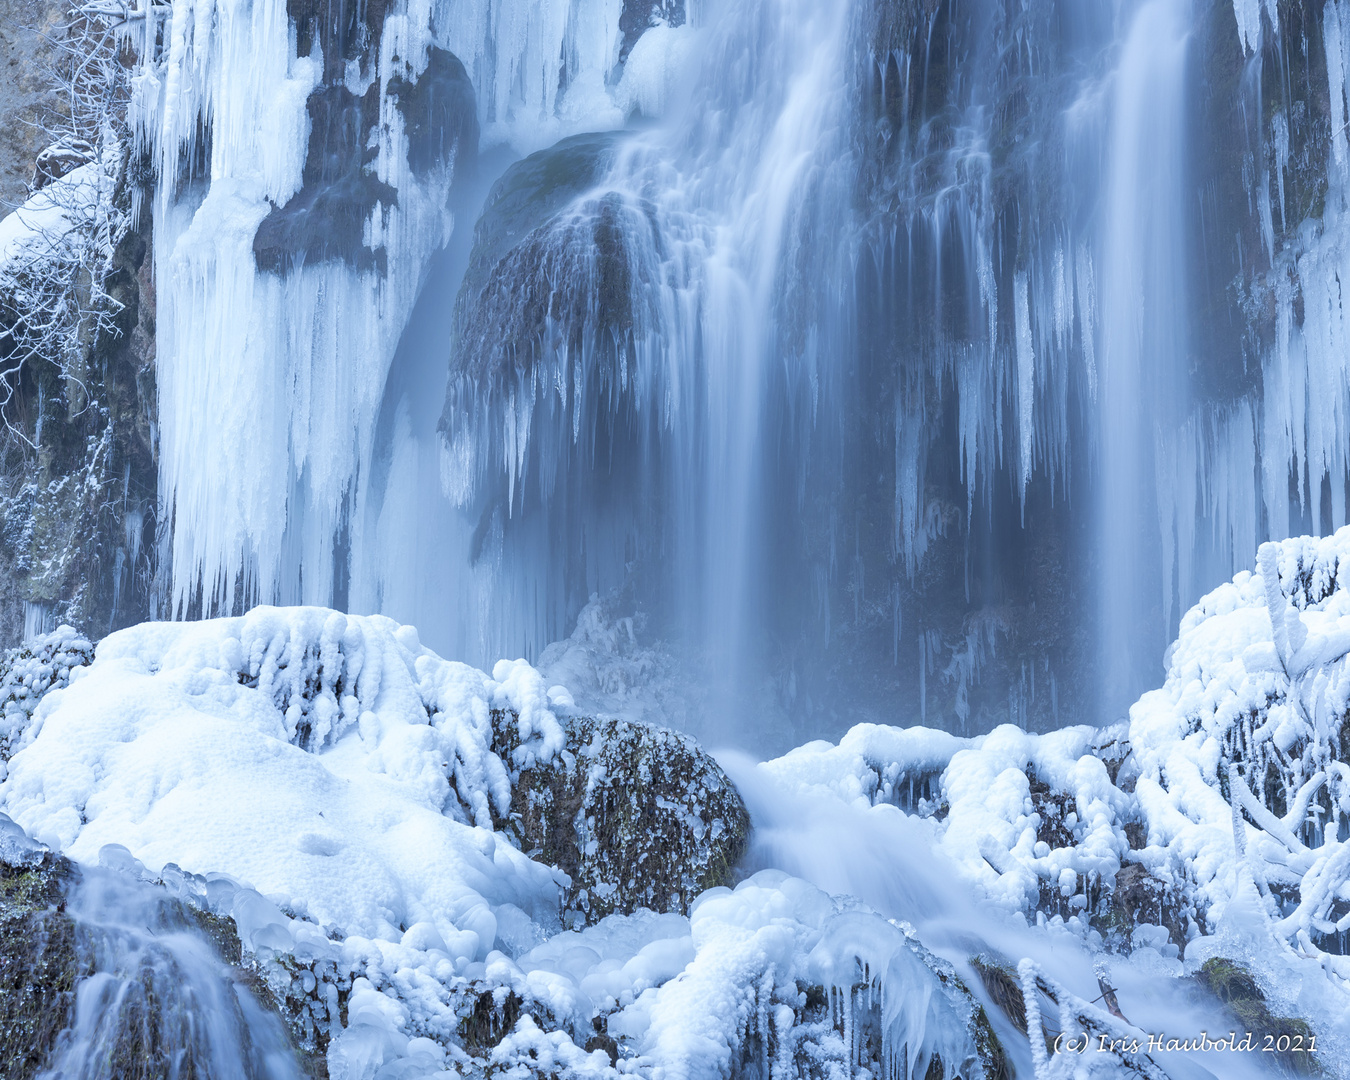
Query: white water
x,y
888,860
158,997
296,467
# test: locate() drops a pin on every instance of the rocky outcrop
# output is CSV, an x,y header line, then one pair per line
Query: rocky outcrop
x,y
78,470
39,964
1290,1038
326,219
538,260
638,816
77,315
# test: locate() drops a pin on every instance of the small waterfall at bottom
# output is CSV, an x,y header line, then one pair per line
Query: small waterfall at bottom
x,y
154,998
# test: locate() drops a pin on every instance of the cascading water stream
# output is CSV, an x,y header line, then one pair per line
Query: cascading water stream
x,y
736,187
889,860
1144,350
158,1001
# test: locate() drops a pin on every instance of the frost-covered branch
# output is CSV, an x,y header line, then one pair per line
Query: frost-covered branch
x,y
57,249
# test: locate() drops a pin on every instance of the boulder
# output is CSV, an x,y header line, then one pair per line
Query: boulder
x,y
638,816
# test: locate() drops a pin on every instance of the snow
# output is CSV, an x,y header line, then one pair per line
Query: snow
x,y
334,797
44,220
1231,771
332,786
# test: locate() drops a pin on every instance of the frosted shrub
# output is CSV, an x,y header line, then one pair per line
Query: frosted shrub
x,y
29,672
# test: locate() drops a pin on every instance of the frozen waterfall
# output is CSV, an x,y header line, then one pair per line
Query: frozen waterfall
x,y
945,353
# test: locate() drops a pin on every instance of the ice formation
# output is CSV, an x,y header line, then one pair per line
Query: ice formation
x,y
271,364
348,776
333,786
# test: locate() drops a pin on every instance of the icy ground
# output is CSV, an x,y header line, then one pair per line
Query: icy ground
x,y
333,786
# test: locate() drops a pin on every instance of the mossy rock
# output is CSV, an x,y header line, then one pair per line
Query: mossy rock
x,y
45,953
1233,984
638,816
39,963
1138,897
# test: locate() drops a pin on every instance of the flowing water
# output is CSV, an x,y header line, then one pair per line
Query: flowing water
x,y
887,859
932,357
158,1001
1145,348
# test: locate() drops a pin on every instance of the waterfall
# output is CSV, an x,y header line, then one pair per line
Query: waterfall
x,y
1145,348
688,349
157,999
835,336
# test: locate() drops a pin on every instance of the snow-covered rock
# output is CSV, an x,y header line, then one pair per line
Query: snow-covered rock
x,y
638,816
30,671
355,805
439,871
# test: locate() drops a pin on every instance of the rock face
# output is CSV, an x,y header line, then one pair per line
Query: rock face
x,y
638,816
1234,985
325,219
515,283
77,458
39,966
27,98
78,489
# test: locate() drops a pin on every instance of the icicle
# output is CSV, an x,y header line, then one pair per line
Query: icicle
x,y
1026,379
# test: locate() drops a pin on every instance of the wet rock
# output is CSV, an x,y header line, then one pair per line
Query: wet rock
x,y
39,965
1233,985
439,114
638,816
1141,898
151,1026
533,263
326,219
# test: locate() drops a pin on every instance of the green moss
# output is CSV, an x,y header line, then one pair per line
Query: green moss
x,y
987,1043
39,966
1234,985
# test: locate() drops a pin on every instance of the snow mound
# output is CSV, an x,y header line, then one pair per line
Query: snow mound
x,y
198,744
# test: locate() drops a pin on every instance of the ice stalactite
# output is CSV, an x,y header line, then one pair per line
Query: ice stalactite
x,y
303,162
